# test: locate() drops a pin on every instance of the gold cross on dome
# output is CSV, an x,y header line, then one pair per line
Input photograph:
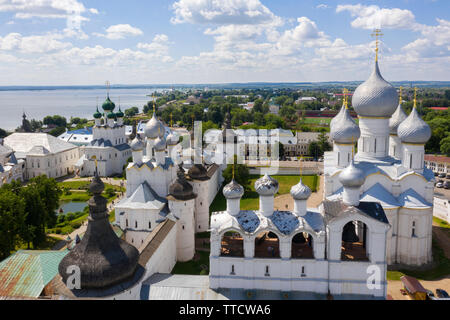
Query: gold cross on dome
x,y
377,34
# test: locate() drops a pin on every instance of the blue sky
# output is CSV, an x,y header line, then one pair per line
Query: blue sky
x,y
75,42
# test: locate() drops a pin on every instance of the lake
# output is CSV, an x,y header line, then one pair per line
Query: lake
x,y
72,207
81,103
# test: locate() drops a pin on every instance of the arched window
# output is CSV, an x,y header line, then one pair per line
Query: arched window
x,y
267,245
232,245
354,242
302,246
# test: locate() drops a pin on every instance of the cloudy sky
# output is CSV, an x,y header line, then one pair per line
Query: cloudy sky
x,y
76,42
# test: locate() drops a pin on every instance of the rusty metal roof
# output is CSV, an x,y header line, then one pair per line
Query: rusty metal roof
x,y
412,284
26,273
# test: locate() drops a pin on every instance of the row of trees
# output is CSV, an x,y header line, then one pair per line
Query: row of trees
x,y
26,212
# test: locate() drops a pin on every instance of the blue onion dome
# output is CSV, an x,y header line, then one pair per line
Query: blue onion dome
x,y
160,144
108,105
397,118
352,176
233,190
137,144
266,186
111,115
337,117
301,191
414,129
154,128
345,131
172,139
120,114
97,115
376,97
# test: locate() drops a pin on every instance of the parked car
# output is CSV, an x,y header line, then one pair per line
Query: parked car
x,y
436,174
439,185
430,295
442,293
442,175
447,184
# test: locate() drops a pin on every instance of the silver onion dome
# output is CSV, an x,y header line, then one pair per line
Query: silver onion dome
x,y
414,129
137,144
160,144
345,130
337,117
266,186
233,190
172,139
376,97
301,191
397,118
154,128
352,176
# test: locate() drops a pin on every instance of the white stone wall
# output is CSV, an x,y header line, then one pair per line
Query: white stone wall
x,y
184,210
442,209
53,165
201,212
157,178
374,141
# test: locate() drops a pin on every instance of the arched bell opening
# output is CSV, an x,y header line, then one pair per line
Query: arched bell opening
x,y
302,246
232,245
267,245
354,242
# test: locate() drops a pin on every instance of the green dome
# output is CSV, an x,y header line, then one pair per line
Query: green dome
x,y
120,114
108,105
111,115
97,115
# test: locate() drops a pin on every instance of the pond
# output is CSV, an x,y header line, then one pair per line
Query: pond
x,y
71,207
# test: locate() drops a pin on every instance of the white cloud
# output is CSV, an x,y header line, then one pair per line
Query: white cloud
x,y
371,17
434,42
322,6
221,12
120,31
32,44
159,47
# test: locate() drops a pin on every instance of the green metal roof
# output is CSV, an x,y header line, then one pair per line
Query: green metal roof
x,y
26,273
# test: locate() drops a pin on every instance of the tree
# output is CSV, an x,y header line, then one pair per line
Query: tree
x,y
12,221
323,143
3,133
281,152
57,121
131,112
57,131
242,174
445,145
314,149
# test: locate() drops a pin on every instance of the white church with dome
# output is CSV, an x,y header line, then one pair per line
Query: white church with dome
x,y
391,149
160,188
109,149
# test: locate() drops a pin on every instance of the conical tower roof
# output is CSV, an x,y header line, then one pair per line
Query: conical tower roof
x,y
104,260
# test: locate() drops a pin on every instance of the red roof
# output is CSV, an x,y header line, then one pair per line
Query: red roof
x,y
439,108
412,284
441,159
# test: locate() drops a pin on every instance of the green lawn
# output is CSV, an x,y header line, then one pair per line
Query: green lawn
x,y
441,223
200,267
250,200
49,243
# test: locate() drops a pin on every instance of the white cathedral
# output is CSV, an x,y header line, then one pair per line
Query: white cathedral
x,y
391,149
109,149
159,188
